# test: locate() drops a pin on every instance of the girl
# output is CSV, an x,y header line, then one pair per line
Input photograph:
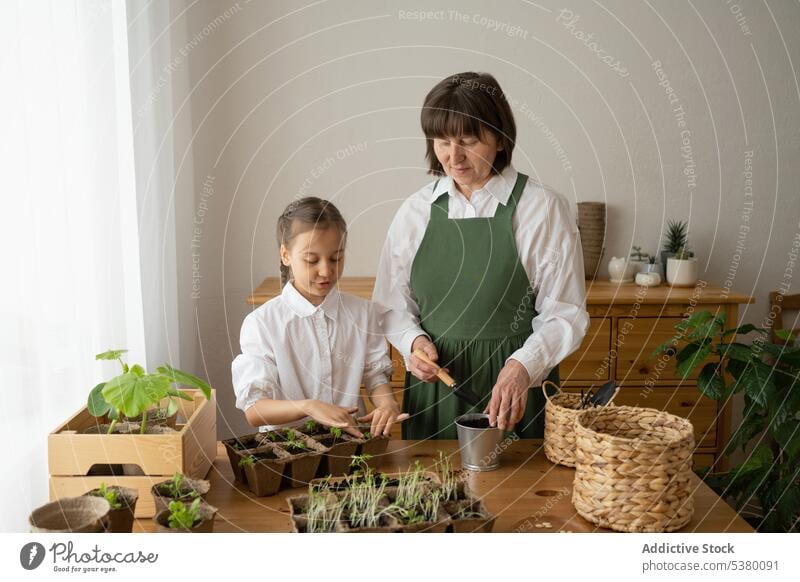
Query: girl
x,y
306,352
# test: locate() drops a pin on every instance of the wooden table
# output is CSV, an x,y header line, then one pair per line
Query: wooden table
x,y
527,489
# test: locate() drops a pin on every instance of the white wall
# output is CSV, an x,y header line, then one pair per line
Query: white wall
x,y
278,88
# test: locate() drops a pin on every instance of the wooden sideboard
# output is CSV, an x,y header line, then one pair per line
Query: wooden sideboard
x,y
627,323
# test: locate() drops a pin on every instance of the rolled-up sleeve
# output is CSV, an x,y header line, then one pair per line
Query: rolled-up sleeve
x,y
254,371
554,258
377,364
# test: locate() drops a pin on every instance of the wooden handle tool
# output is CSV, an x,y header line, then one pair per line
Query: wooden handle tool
x,y
442,375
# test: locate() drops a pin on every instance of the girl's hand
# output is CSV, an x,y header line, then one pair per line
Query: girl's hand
x,y
509,396
382,419
332,415
418,368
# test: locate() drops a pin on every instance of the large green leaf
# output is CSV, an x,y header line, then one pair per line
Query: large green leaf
x,y
694,320
760,457
132,394
711,383
742,329
185,379
709,328
96,404
788,437
110,355
745,432
736,351
691,356
757,381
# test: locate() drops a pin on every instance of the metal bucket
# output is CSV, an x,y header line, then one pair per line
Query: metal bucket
x,y
480,447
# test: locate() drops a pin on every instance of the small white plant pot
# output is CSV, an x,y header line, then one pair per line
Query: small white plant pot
x,y
681,273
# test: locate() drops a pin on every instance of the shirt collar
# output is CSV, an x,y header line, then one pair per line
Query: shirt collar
x,y
499,185
302,307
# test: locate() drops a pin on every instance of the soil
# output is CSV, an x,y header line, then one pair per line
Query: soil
x,y
478,423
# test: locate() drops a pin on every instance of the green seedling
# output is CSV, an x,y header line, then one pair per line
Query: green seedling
x,y
134,392
323,511
294,442
336,432
176,487
449,479
110,495
311,426
247,461
183,516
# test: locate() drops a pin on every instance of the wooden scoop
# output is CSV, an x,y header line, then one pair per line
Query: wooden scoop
x,y
464,393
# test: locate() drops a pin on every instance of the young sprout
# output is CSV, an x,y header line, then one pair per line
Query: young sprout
x,y
176,485
412,487
322,511
363,503
294,442
247,461
311,426
183,516
110,495
336,432
449,479
360,464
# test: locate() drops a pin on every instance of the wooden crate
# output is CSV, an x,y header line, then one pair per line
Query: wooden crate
x,y
190,451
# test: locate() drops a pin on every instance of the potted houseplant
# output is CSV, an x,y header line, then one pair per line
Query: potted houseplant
x,y
674,240
113,438
180,517
136,395
650,275
682,269
122,501
178,488
767,375
638,259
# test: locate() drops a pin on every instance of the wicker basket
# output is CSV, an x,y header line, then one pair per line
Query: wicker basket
x,y
633,469
560,413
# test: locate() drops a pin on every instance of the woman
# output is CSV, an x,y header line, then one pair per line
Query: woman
x,y
482,271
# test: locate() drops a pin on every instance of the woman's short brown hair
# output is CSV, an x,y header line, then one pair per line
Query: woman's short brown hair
x,y
467,104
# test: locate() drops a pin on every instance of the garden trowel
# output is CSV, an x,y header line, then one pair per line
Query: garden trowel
x,y
466,394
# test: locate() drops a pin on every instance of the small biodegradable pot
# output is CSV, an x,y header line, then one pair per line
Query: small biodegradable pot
x,y
234,447
340,452
302,467
120,520
205,525
264,476
84,514
200,486
375,446
682,272
438,526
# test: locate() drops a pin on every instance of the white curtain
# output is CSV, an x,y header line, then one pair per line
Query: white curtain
x,y
69,236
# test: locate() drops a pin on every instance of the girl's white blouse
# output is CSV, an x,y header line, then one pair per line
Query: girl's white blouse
x,y
294,350
549,247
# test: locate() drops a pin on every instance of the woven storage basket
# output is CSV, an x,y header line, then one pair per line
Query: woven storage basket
x,y
633,469
560,412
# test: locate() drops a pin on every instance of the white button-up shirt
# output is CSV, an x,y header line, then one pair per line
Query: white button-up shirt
x,y
549,247
294,350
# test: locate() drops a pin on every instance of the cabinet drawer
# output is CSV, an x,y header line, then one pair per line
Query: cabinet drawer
x,y
636,339
591,360
684,402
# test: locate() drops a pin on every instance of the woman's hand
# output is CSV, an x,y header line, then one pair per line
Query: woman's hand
x,y
332,415
382,419
418,368
509,396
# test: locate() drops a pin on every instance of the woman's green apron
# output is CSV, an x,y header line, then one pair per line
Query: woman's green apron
x,y
476,304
